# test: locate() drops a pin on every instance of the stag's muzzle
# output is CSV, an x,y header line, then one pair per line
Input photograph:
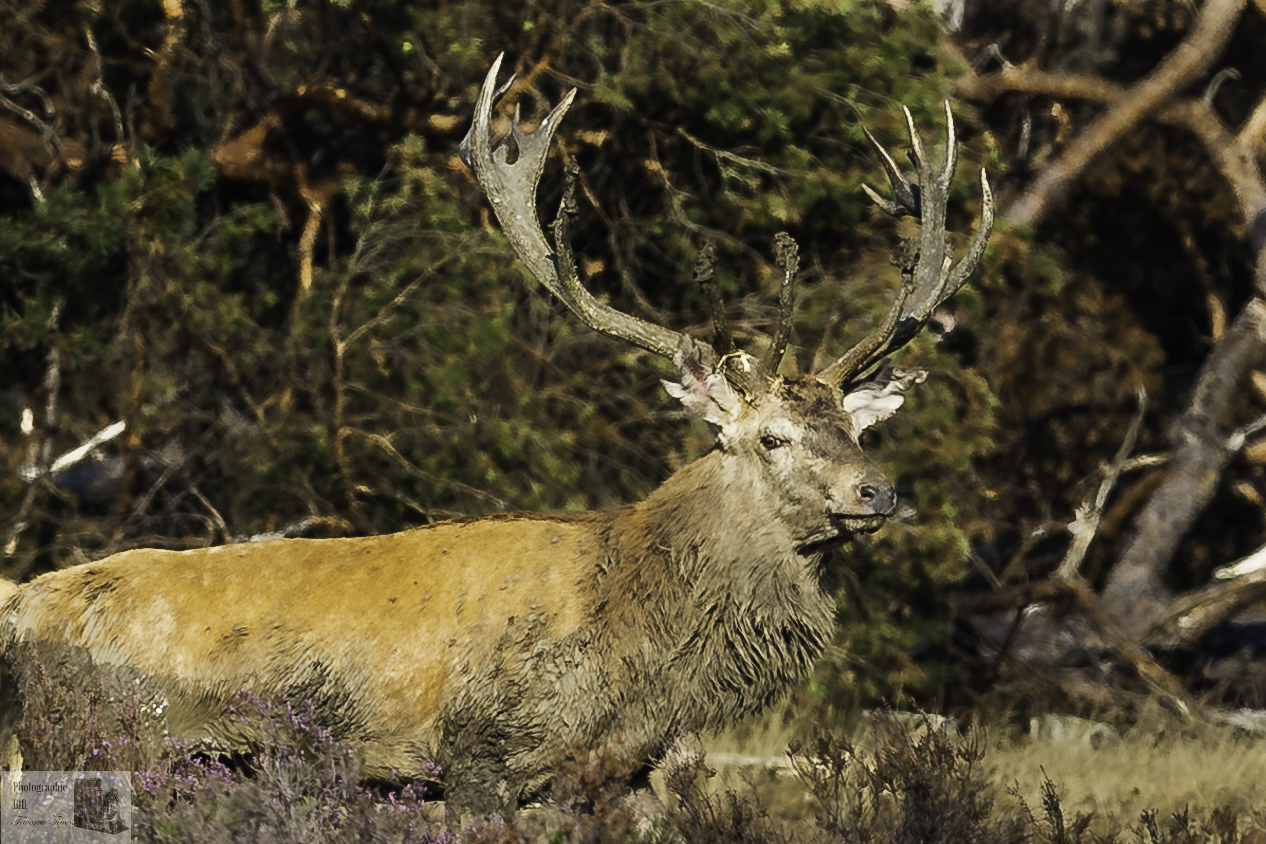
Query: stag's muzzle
x,y
869,507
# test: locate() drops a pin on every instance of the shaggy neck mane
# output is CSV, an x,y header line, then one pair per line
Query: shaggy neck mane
x,y
730,613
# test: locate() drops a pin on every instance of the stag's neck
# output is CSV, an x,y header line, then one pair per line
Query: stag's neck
x,y
717,590
712,532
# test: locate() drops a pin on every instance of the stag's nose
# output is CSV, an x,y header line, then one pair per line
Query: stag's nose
x,y
866,501
879,500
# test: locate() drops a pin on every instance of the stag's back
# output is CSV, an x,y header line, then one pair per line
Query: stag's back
x,y
376,631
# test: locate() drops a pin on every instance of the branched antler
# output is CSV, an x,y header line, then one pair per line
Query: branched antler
x,y
928,278
511,188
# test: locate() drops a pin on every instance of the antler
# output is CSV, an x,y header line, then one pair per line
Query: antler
x,y
927,278
512,190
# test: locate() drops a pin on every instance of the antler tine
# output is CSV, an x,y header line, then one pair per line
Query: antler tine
x,y
916,143
951,146
927,280
907,194
977,249
511,189
706,278
788,252
464,148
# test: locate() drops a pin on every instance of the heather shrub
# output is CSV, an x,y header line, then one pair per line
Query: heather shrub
x,y
904,781
916,784
97,720
299,784
729,816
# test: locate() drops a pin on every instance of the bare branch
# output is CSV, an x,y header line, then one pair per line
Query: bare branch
x,y
1135,590
1189,618
386,446
235,378
303,527
99,88
1105,624
1241,435
342,343
45,126
215,514
1077,591
1090,513
726,155
1188,60
404,295
44,450
1135,586
1167,687
78,455
142,506
1232,155
673,199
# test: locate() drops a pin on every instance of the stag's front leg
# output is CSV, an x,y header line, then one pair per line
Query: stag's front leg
x,y
476,778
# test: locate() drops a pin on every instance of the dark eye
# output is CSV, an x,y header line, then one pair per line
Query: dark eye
x,y
770,442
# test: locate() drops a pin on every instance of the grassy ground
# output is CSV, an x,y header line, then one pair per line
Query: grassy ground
x,y
1116,779
1151,767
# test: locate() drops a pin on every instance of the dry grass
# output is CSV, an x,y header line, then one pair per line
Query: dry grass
x,y
1155,765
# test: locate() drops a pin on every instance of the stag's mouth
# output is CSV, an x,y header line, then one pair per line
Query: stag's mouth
x,y
842,529
853,525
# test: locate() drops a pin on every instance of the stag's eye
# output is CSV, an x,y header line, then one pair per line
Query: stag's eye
x,y
771,442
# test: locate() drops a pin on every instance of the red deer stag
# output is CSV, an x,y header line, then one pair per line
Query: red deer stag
x,y
493,645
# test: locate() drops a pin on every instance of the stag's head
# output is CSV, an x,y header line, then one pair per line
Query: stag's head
x,y
793,441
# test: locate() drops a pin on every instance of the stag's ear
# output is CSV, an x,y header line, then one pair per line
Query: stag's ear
x,y
876,400
703,390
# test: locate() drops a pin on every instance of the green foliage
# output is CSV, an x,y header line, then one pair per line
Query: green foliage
x,y
894,604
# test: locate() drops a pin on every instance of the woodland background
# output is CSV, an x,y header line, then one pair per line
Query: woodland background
x,y
242,230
